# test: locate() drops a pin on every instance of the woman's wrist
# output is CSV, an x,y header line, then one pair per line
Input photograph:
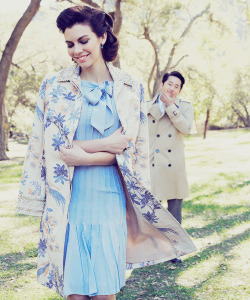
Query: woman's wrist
x,y
104,145
89,159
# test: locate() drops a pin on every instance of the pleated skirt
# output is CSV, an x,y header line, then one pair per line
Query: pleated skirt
x,y
96,237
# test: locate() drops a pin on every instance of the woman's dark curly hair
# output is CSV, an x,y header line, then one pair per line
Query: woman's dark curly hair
x,y
99,21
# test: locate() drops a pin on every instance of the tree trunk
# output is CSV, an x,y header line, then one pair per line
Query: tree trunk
x,y
206,124
6,61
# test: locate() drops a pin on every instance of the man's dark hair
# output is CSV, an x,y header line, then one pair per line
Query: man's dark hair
x,y
176,74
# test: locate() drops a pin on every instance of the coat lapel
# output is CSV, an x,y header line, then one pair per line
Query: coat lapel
x,y
154,109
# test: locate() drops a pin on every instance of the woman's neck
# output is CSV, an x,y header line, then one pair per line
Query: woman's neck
x,y
96,73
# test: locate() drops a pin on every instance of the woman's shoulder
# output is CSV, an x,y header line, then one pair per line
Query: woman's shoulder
x,y
60,76
121,75
50,78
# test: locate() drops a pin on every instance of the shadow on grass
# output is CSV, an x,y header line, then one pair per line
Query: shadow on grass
x,y
161,281
11,263
219,225
221,190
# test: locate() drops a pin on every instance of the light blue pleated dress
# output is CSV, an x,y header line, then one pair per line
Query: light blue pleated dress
x,y
96,237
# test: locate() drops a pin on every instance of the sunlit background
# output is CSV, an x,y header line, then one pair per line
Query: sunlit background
x,y
213,55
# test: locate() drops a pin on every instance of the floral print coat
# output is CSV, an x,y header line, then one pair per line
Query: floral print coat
x,y
153,234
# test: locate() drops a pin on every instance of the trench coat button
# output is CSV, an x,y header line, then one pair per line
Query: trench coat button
x,y
169,165
153,165
158,135
157,150
169,150
153,121
169,135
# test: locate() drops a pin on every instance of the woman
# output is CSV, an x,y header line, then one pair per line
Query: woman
x,y
91,120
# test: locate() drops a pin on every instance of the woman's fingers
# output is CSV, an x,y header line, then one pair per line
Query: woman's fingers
x,y
129,138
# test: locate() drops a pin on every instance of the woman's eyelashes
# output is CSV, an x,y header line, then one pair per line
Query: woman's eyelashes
x,y
84,42
70,45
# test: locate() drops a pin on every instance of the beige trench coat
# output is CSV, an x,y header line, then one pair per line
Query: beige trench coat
x,y
167,160
153,234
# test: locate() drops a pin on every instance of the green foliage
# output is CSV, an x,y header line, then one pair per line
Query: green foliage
x,y
240,100
21,98
22,89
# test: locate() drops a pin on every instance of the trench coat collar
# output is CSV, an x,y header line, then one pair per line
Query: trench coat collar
x,y
154,109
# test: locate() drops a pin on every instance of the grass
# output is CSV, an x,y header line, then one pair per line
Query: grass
x,y
216,215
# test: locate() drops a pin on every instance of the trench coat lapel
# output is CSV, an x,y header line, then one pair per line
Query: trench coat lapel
x,y
154,109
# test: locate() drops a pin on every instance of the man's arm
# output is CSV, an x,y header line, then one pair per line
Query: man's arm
x,y
182,118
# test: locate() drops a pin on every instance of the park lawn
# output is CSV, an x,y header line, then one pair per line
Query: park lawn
x,y
216,215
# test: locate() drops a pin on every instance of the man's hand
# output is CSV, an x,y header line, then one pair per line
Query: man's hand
x,y
117,142
167,99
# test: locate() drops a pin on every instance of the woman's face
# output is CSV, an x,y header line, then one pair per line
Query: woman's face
x,y
83,45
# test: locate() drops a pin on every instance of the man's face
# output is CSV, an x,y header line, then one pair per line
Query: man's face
x,y
172,86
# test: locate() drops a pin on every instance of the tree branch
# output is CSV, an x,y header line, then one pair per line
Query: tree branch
x,y
174,66
118,17
184,33
239,114
70,1
156,62
90,3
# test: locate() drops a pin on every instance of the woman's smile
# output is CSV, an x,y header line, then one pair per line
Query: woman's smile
x,y
82,58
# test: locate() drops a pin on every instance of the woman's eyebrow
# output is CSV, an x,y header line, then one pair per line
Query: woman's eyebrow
x,y
82,36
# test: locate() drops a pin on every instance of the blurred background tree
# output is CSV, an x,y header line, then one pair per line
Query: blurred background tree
x,y
5,64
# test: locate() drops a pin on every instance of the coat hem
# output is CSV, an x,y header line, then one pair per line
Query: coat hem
x,y
131,266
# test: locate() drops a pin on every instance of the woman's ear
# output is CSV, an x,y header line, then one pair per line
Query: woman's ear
x,y
104,38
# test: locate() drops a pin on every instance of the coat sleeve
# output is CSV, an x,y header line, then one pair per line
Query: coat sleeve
x,y
141,154
31,198
182,118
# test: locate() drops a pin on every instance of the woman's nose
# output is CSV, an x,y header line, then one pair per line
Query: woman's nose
x,y
78,49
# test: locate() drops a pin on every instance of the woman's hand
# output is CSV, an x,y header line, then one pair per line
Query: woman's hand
x,y
75,156
116,142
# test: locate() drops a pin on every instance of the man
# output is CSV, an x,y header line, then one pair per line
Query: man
x,y
169,119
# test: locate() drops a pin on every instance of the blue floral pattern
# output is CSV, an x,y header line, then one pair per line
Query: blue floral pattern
x,y
61,173
57,141
59,119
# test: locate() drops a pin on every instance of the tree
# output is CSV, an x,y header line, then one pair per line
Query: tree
x,y
163,27
6,61
240,101
203,93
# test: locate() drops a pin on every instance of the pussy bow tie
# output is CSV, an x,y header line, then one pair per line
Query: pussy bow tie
x,y
102,115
